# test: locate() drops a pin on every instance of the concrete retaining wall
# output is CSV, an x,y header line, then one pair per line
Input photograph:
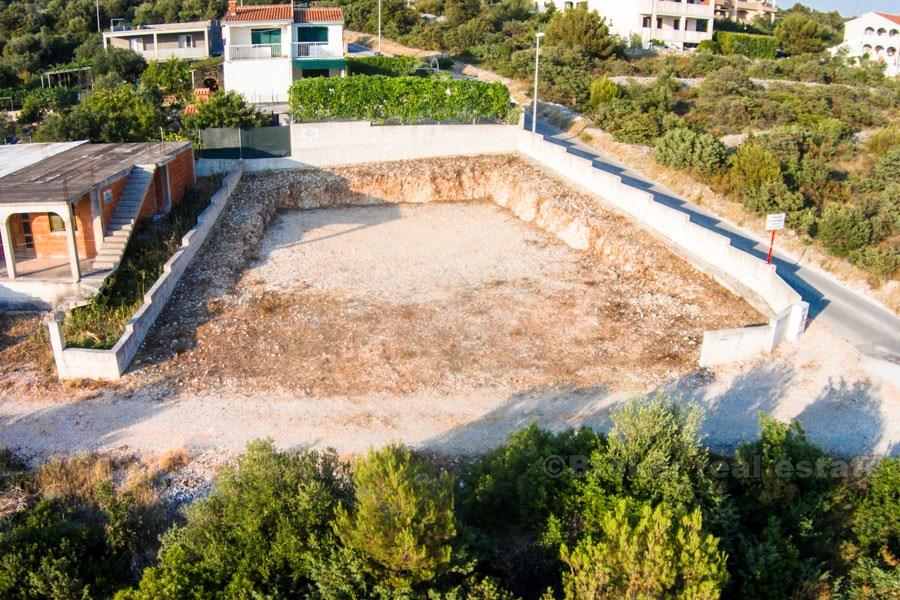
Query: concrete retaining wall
x,y
85,363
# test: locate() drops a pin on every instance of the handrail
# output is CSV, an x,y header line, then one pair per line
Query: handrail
x,y
255,51
313,50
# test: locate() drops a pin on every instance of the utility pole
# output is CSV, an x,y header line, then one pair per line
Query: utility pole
x,y
379,27
97,6
537,61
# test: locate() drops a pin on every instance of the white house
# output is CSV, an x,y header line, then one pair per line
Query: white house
x,y
745,11
680,24
269,46
877,36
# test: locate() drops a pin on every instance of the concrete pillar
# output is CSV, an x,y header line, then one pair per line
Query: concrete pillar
x,y
97,219
69,220
8,255
155,45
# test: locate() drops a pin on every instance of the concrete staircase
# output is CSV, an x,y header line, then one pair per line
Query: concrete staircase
x,y
118,230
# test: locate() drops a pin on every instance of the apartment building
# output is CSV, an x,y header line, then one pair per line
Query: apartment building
x,y
194,40
746,11
679,24
876,36
267,47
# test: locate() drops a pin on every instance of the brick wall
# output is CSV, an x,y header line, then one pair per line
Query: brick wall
x,y
53,244
181,175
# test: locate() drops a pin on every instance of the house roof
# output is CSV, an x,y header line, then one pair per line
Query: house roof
x,y
894,18
319,14
14,157
139,29
72,173
261,12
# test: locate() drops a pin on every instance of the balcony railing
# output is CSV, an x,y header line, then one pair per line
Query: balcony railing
x,y
254,52
314,50
163,53
678,8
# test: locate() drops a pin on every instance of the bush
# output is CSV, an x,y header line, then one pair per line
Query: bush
x,y
709,47
880,262
800,34
582,30
401,519
404,99
884,140
602,91
252,536
390,66
685,148
843,229
644,551
746,44
224,109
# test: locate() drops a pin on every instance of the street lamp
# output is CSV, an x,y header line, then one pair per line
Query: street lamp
x,y
537,55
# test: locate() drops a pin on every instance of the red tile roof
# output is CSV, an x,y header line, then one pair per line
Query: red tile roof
x,y
319,14
894,18
262,12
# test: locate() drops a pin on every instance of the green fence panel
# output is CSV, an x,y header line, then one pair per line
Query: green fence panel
x,y
259,142
220,142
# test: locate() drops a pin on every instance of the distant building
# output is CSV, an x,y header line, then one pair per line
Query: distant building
x,y
876,36
198,39
680,24
67,211
745,11
267,47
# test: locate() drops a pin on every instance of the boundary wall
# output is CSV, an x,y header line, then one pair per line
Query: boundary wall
x,y
88,363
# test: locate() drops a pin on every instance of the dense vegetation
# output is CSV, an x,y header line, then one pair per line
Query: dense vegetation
x,y
643,512
404,99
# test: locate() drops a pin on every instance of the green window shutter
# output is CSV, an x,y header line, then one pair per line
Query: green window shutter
x,y
312,34
265,36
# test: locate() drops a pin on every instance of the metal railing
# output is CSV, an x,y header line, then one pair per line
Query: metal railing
x,y
161,53
254,52
314,50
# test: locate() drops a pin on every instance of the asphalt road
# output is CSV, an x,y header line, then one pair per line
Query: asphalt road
x,y
874,330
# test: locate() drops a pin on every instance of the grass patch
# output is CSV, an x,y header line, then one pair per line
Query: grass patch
x,y
101,322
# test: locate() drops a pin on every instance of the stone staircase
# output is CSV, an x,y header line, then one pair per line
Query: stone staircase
x,y
118,230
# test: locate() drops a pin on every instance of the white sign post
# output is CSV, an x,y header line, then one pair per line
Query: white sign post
x,y
774,222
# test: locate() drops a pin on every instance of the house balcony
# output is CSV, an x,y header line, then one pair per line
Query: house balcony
x,y
165,53
254,52
676,36
315,50
701,10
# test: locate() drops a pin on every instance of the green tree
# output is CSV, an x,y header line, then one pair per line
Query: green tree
x,y
402,517
683,148
582,30
168,77
254,536
844,228
800,34
602,91
646,552
654,454
224,109
117,114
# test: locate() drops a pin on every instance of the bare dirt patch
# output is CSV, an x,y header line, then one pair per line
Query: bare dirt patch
x,y
396,298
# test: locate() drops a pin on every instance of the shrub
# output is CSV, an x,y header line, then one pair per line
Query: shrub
x,y
880,262
391,66
653,454
843,229
752,168
883,140
875,523
602,91
511,488
709,47
646,552
727,81
583,30
685,148
224,109
746,44
250,538
402,517
405,99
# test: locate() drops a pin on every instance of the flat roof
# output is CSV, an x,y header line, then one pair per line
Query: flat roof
x,y
141,29
68,175
18,156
